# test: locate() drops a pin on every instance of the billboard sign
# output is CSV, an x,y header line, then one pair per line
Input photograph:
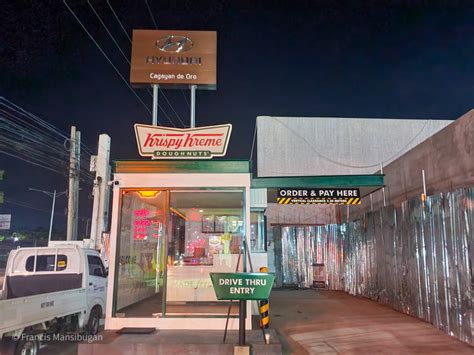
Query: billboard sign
x,y
5,221
174,58
177,143
333,196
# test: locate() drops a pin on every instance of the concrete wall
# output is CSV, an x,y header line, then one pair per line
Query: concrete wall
x,y
447,158
292,146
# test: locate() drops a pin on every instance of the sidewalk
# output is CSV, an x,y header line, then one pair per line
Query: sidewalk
x,y
205,342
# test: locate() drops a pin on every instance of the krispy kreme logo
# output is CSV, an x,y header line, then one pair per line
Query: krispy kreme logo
x,y
174,143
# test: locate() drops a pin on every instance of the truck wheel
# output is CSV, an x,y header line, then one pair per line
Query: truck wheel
x,y
93,323
26,346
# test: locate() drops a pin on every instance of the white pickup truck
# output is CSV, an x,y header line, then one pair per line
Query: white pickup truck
x,y
51,290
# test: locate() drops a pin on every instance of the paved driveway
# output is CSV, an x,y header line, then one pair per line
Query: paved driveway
x,y
333,322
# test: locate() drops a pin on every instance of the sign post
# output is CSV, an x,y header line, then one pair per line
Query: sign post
x,y
242,287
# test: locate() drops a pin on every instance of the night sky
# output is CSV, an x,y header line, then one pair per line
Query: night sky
x,y
402,59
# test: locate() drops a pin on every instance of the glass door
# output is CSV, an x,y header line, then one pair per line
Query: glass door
x,y
140,254
206,228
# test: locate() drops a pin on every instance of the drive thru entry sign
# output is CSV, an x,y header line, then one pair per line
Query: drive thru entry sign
x,y
242,286
340,196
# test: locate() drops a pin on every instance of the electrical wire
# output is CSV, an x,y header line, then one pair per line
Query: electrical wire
x,y
401,151
112,37
149,92
118,20
40,123
151,14
105,55
27,137
164,95
27,205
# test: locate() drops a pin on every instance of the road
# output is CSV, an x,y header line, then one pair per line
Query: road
x,y
333,322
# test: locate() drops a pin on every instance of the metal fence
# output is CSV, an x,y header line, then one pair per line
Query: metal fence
x,y
416,258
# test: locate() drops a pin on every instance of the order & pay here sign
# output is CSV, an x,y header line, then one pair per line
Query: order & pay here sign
x,y
343,196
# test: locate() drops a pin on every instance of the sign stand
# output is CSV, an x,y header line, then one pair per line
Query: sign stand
x,y
154,121
193,106
155,105
242,303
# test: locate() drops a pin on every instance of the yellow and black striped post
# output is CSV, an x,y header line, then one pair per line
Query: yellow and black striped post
x,y
264,307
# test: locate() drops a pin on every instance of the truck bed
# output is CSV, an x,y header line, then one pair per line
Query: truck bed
x,y
18,313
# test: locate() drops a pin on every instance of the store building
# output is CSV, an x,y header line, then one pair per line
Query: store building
x,y
174,222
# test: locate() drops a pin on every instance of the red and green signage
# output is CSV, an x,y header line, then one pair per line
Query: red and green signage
x,y
242,286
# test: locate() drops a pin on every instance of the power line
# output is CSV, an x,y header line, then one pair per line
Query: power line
x,y
105,55
118,20
151,14
156,27
33,140
349,165
185,98
108,32
27,205
112,37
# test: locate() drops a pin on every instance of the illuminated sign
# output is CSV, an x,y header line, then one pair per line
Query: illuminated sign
x,y
143,227
174,58
188,143
333,196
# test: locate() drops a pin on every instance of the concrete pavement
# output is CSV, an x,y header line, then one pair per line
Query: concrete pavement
x,y
309,322
333,322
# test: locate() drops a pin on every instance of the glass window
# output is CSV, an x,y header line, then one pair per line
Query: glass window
x,y
205,235
257,232
46,262
168,243
140,268
96,268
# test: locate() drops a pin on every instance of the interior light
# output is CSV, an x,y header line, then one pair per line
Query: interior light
x,y
148,193
201,211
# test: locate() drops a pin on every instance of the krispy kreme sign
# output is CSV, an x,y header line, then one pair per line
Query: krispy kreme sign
x,y
189,143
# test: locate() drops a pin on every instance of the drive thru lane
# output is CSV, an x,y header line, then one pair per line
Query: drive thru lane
x,y
333,322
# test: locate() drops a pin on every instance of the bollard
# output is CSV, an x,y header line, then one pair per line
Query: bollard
x,y
264,317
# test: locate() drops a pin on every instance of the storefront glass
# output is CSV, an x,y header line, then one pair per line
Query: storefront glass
x,y
168,243
139,290
257,232
205,235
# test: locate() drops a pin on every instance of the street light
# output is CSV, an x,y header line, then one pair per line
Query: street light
x,y
54,195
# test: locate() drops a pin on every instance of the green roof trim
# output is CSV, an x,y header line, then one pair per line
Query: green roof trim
x,y
318,181
182,167
367,183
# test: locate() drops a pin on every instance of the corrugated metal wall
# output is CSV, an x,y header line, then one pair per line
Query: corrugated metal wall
x,y
416,258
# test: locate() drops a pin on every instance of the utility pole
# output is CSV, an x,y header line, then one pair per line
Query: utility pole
x,y
73,201
100,163
54,195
